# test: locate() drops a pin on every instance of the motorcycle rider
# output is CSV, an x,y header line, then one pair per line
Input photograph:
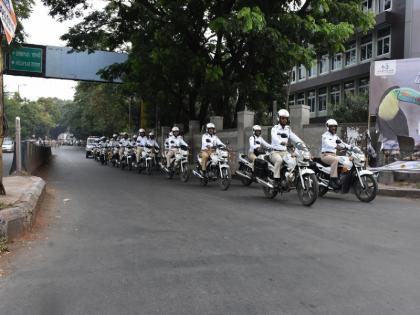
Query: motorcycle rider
x,y
329,147
208,142
256,143
125,141
279,143
174,142
167,142
141,143
151,141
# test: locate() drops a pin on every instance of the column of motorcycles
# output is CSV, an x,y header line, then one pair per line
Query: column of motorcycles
x,y
309,176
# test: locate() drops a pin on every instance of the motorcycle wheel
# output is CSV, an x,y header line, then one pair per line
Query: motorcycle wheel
x,y
322,191
122,165
87,155
149,169
368,193
309,195
130,166
169,174
204,181
270,193
225,179
185,175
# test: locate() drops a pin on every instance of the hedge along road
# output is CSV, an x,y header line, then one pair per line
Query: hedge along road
x,y
124,243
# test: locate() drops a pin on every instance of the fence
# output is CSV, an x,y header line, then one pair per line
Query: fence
x,y
33,156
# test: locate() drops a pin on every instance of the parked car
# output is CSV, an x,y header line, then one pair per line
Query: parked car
x,y
8,145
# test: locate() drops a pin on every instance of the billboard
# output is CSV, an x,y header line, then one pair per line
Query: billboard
x,y
8,19
394,98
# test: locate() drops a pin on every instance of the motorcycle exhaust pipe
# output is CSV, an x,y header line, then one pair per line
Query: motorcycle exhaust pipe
x,y
197,174
239,173
323,183
264,183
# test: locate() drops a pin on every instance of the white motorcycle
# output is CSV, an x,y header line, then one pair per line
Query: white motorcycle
x,y
352,173
179,165
147,160
295,174
218,168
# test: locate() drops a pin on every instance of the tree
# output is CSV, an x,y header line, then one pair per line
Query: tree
x,y
202,57
98,109
353,109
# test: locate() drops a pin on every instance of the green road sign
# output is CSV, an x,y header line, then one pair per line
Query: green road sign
x,y
27,59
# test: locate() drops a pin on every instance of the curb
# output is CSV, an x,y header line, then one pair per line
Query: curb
x,y
19,219
398,192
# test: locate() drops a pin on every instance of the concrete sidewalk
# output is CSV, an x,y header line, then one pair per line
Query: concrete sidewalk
x,y
395,191
19,207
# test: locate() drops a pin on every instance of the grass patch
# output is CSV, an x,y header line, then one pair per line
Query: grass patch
x,y
3,245
2,205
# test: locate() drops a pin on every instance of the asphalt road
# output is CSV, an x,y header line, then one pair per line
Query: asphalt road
x,y
7,163
124,243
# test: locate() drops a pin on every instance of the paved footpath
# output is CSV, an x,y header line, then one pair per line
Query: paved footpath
x,y
124,243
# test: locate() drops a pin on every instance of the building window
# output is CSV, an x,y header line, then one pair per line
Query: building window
x,y
366,48
301,73
364,86
367,5
312,70
384,41
291,100
348,88
335,95
337,62
385,5
312,100
293,75
323,64
350,54
301,99
322,99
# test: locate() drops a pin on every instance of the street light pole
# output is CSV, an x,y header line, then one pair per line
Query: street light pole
x,y
2,117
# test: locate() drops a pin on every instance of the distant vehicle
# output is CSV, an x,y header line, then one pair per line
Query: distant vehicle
x,y
89,145
8,145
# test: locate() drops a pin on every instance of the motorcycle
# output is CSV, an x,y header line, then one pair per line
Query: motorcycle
x,y
103,155
147,160
179,165
218,168
129,156
294,174
351,174
244,171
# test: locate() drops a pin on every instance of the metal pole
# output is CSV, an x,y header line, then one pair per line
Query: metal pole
x,y
18,147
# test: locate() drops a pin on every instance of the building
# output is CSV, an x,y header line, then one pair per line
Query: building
x,y
332,78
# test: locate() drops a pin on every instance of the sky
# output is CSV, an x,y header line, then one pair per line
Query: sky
x,y
42,29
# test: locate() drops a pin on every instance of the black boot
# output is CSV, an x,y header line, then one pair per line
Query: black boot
x,y
334,183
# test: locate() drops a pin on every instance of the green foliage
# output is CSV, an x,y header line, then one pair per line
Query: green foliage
x,y
98,109
353,109
3,245
37,118
196,58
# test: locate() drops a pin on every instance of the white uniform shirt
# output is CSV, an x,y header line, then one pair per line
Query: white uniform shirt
x,y
210,140
152,143
141,141
280,144
125,142
176,142
257,142
329,144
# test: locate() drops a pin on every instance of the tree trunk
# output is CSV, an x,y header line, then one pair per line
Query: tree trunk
x,y
2,115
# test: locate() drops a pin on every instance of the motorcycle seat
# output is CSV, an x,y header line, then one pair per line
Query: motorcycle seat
x,y
318,160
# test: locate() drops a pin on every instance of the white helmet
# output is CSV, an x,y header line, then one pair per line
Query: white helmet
x,y
141,130
151,133
283,113
256,128
175,129
210,125
171,134
331,122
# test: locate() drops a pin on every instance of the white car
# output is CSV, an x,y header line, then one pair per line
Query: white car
x,y
89,145
8,145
